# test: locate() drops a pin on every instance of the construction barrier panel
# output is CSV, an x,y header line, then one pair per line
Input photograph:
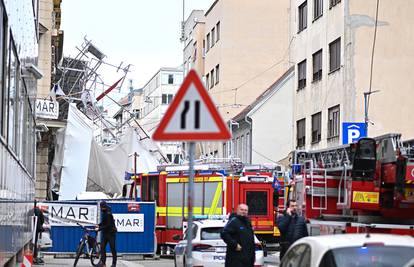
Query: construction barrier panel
x,y
135,222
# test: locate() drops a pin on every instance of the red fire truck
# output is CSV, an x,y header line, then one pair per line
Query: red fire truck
x,y
220,186
352,188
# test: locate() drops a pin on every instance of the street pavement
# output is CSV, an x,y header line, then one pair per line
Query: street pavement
x,y
272,260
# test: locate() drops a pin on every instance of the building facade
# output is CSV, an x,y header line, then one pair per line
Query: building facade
x,y
333,45
262,133
18,75
50,53
193,42
245,47
157,95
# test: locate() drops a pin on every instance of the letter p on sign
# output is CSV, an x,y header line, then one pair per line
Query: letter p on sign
x,y
353,131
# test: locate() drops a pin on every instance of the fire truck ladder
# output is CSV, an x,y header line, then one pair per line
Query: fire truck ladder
x,y
342,188
318,187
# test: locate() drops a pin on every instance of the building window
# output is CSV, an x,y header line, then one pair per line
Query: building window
x,y
217,74
316,127
317,66
208,81
335,55
13,97
212,78
2,57
224,150
333,122
303,16
248,149
333,3
213,34
204,48
300,133
166,98
195,51
170,78
217,31
208,42
317,9
302,74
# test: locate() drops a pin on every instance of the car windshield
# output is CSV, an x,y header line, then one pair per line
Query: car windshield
x,y
211,233
371,256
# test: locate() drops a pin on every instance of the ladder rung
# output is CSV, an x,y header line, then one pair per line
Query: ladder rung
x,y
318,182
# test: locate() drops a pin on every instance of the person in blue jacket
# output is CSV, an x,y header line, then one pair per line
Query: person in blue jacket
x,y
292,227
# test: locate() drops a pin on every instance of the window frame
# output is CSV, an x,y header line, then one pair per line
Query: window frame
x,y
208,81
172,79
212,78
317,7
208,42
301,80
317,75
334,132
302,16
333,3
301,137
217,31
316,123
213,32
217,73
335,55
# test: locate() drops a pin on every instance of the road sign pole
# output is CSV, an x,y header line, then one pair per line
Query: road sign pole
x,y
190,197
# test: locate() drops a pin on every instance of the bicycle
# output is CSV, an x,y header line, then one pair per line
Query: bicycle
x,y
89,246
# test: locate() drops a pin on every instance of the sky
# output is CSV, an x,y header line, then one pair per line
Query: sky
x,y
142,33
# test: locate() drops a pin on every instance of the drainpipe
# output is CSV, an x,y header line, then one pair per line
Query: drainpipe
x,y
246,119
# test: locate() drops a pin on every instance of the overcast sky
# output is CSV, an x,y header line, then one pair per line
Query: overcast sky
x,y
143,33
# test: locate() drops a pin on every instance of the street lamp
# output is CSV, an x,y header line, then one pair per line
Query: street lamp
x,y
366,99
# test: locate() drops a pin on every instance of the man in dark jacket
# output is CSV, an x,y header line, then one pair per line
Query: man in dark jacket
x,y
108,228
292,227
39,230
239,237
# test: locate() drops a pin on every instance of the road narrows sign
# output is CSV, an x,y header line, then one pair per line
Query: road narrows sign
x,y
192,115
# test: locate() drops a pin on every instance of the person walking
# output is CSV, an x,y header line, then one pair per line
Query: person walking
x,y
108,229
39,230
291,226
239,236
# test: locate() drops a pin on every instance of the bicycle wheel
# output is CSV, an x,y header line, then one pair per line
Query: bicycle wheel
x,y
78,252
96,254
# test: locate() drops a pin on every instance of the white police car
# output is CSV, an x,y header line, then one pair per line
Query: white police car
x,y
208,247
356,250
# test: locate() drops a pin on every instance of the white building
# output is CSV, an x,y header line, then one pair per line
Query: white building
x,y
333,45
157,95
263,131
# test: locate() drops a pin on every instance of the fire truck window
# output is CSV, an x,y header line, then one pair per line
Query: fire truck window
x,y
198,195
210,193
174,205
257,202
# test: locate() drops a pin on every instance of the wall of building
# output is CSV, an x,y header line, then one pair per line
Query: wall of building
x,y
272,124
18,39
389,109
328,92
153,109
251,51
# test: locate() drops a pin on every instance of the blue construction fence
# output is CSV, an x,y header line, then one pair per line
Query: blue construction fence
x,y
135,222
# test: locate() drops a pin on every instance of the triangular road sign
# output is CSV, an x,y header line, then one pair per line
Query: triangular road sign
x,y
192,115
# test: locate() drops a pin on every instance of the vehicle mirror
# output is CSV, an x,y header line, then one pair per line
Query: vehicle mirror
x,y
176,237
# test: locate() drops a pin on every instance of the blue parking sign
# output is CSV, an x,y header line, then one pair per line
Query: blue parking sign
x,y
353,131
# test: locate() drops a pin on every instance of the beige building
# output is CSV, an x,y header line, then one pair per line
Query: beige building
x,y
245,49
50,52
332,46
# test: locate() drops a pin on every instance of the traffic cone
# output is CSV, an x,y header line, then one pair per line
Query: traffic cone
x,y
27,258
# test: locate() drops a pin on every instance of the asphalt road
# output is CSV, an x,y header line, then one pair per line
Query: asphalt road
x,y
270,261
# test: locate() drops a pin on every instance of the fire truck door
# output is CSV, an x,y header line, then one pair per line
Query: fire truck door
x,y
260,202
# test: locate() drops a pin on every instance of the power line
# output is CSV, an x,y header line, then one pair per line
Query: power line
x,y
260,154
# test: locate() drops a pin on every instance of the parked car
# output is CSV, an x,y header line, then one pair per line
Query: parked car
x,y
208,247
346,250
